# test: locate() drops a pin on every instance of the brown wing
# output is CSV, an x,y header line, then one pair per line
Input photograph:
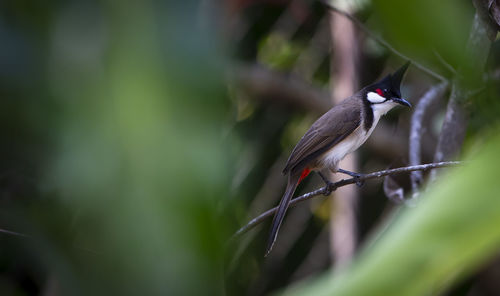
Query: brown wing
x,y
331,128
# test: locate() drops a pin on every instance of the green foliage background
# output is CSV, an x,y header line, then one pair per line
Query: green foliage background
x,y
128,159
124,110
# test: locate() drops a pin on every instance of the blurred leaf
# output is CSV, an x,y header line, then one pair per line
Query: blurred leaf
x,y
138,153
421,26
426,249
277,52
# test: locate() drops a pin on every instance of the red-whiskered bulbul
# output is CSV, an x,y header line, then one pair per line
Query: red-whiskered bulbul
x,y
337,133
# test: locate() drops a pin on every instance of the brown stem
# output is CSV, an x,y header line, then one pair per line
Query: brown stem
x,y
417,130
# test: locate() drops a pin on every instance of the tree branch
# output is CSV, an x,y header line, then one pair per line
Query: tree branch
x,y
13,233
326,189
444,62
382,41
257,79
417,130
468,77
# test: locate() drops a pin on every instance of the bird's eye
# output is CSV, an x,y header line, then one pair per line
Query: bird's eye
x,y
380,92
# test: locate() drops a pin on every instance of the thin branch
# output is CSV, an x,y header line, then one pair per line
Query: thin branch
x,y
444,62
12,233
382,41
417,130
333,186
30,238
266,83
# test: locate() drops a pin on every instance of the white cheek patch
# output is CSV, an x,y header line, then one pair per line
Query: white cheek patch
x,y
375,98
381,109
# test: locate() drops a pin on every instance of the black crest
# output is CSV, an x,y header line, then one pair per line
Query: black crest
x,y
392,82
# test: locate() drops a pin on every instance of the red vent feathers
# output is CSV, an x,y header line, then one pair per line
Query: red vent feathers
x,y
304,174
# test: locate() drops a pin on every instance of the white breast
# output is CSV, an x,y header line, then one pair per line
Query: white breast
x,y
333,156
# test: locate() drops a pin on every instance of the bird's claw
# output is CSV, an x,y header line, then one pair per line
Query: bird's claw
x,y
357,178
329,188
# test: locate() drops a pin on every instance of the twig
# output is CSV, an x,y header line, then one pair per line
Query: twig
x,y
416,131
266,83
13,233
333,186
30,238
382,41
444,62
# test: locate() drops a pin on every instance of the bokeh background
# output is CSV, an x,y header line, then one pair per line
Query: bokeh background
x,y
138,136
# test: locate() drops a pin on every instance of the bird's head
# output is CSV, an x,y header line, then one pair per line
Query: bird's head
x,y
386,93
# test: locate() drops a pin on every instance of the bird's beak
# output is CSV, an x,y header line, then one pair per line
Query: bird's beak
x,y
402,102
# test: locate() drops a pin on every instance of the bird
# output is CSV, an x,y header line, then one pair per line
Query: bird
x,y
338,132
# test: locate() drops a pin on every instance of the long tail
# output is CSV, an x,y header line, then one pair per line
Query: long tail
x,y
293,181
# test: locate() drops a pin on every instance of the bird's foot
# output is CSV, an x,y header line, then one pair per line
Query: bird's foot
x,y
357,176
330,186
